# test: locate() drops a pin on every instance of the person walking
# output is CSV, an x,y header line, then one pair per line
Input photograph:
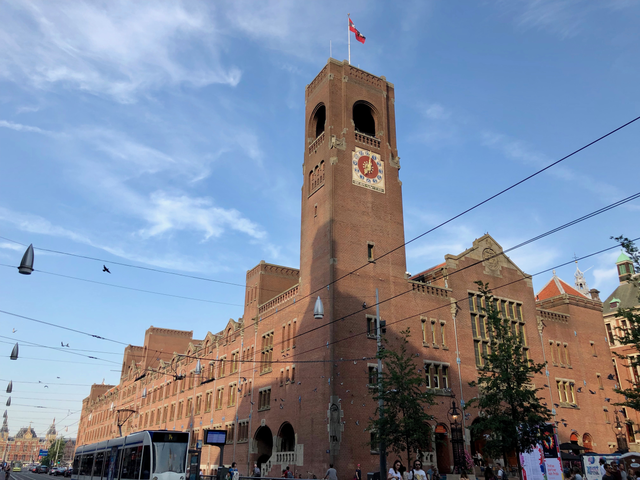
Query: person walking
x,y
417,473
488,473
394,471
358,474
256,470
331,473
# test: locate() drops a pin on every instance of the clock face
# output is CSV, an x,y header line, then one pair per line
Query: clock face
x,y
367,170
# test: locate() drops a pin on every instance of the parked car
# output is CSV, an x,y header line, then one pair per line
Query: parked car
x,y
33,469
54,471
43,469
68,472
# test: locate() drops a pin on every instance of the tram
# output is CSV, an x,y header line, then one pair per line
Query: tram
x,y
146,455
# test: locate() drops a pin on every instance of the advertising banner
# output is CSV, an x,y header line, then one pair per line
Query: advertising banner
x,y
543,462
592,464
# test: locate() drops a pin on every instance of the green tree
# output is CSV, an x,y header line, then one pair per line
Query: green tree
x,y
509,406
404,427
55,453
630,336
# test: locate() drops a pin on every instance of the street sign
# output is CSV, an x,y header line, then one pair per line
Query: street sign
x,y
43,453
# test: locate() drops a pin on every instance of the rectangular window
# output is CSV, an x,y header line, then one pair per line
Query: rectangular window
x,y
523,337
482,327
172,412
370,252
293,374
231,432
180,409
519,311
558,353
610,334
264,401
219,397
373,376
294,331
243,431
267,352
445,376
553,358
282,377
436,378
567,359
443,338
593,349
371,326
189,405
234,361
223,367
198,404
233,389
599,378
472,303
284,337
427,375
474,326
433,332
478,353
158,414
288,335
503,309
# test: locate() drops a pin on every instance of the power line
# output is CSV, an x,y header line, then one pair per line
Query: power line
x,y
127,288
58,349
464,212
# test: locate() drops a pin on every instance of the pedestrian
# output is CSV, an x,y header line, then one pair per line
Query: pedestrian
x,y
358,474
500,474
417,473
623,472
488,473
289,472
331,473
603,467
394,471
607,473
576,473
430,472
256,470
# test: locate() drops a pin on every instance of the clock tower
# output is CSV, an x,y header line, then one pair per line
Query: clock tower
x,y
351,194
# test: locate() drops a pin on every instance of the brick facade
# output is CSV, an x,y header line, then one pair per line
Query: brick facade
x,y
300,386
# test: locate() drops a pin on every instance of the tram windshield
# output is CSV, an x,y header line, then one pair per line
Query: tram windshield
x,y
169,457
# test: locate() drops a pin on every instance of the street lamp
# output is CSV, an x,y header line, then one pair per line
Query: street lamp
x,y
621,437
14,352
318,309
26,265
457,440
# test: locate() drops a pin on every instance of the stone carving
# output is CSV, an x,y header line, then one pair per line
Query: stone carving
x,y
490,259
339,143
394,161
335,426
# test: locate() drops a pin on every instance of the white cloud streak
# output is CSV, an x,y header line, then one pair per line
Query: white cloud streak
x,y
117,48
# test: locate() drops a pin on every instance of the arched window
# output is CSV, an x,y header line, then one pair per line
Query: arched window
x,y
363,119
319,119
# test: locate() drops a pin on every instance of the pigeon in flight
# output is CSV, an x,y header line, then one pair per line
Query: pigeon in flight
x,y
46,386
607,399
14,330
105,269
579,389
592,392
610,377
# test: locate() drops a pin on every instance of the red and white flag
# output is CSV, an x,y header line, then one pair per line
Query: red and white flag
x,y
359,37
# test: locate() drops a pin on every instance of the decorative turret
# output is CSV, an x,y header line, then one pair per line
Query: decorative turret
x,y
581,282
625,267
51,433
4,431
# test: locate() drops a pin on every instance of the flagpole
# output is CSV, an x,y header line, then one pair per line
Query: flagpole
x,y
349,37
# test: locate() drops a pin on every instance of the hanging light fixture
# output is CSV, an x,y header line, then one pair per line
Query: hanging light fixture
x,y
5,414
26,265
10,386
318,309
8,402
14,352
198,368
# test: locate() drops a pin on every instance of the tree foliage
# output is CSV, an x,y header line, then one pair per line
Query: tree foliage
x,y
405,426
55,453
509,406
630,336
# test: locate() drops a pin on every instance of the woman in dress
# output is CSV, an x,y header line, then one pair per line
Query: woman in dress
x,y
394,472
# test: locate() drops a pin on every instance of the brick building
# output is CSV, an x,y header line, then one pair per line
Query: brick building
x,y
626,295
25,445
295,390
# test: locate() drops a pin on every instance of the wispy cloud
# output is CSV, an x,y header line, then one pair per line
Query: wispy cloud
x,y
118,49
23,128
566,18
35,224
167,212
523,153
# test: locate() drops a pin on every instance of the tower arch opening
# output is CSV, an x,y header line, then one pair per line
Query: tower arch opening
x,y
287,438
364,118
318,120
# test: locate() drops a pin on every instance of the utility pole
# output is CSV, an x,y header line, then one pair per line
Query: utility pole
x,y
382,447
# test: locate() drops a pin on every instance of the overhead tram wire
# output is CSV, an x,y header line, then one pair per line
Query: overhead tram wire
x,y
504,252
357,269
445,305
127,288
464,212
58,349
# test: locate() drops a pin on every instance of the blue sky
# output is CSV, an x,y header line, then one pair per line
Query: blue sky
x,y
170,135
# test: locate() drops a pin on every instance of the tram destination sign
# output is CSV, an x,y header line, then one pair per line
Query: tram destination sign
x,y
215,437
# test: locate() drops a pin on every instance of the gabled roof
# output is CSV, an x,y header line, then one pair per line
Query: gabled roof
x,y
556,287
627,296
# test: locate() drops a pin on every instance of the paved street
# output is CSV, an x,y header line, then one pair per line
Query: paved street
x,y
26,475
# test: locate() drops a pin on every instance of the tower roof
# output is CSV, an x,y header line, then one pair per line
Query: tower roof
x,y
623,258
556,287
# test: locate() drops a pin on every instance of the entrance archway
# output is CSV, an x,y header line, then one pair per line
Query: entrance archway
x,y
264,442
443,458
286,438
587,443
